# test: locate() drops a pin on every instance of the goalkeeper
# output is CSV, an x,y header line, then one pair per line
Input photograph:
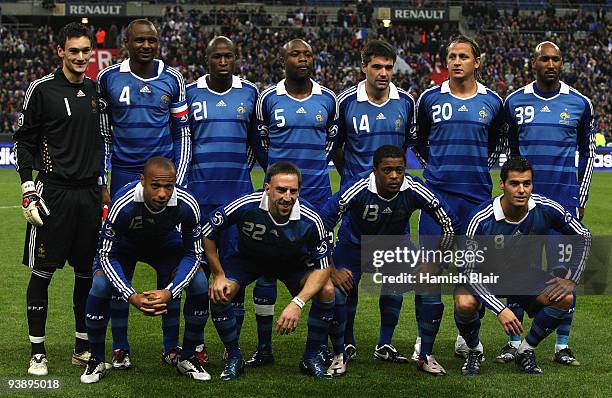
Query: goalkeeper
x,y
59,136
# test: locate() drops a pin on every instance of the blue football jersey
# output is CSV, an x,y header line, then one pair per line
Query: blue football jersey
x,y
131,224
221,127
302,131
364,212
301,240
548,129
543,215
364,126
141,118
459,139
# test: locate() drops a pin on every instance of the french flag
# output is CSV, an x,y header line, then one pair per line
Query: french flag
x,y
179,109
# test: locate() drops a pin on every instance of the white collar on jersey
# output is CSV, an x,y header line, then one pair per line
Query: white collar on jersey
x,y
499,212
139,195
125,66
564,89
295,212
372,184
282,90
363,96
236,83
445,88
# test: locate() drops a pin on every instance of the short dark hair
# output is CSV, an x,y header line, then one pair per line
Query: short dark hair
x,y
159,161
73,30
388,151
219,40
377,48
139,21
283,168
516,163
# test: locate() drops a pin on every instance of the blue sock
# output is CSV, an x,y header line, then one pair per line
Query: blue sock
x,y
563,330
171,323
338,325
390,306
264,298
97,312
238,305
351,310
544,323
430,310
469,327
225,323
119,314
519,312
319,318
195,312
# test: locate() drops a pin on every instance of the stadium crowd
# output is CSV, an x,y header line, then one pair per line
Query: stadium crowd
x,y
506,39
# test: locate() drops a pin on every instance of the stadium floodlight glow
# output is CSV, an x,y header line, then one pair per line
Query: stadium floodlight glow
x,y
386,23
84,20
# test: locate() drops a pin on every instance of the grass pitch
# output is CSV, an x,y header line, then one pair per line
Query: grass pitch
x,y
366,377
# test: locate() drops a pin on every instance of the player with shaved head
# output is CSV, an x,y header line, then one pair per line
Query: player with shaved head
x,y
296,122
548,122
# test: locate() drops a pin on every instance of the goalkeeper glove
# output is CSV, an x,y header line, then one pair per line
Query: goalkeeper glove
x,y
33,205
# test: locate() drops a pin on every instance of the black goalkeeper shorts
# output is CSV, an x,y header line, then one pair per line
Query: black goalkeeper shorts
x,y
70,232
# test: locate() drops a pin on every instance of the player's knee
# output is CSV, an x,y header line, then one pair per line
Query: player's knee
x,y
327,292
101,286
466,304
565,303
198,285
340,297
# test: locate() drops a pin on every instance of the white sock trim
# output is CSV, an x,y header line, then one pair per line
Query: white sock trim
x,y
264,309
37,340
82,336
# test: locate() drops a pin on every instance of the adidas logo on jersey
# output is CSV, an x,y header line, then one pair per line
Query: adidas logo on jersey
x,y
80,93
301,110
221,104
145,90
387,211
381,116
463,108
545,109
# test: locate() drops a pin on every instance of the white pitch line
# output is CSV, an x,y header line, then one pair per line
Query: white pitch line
x,y
9,207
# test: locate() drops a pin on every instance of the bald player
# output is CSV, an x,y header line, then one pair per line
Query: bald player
x,y
296,123
548,123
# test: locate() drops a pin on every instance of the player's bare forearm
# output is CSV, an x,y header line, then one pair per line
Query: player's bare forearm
x,y
210,250
338,159
314,283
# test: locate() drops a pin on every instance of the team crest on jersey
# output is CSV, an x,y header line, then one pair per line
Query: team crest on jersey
x,y
94,106
165,101
565,116
217,219
398,123
319,117
483,114
241,110
42,252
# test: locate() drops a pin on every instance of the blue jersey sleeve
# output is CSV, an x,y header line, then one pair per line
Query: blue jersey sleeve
x,y
423,128
332,130
512,130
111,234
105,126
260,139
225,216
498,140
191,232
179,125
586,151
317,242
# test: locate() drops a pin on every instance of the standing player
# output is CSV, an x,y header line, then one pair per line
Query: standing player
x,y
371,114
376,202
296,121
154,221
59,136
548,123
460,134
222,110
143,114
280,237
549,298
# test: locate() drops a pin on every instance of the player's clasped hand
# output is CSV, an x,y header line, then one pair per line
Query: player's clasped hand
x,y
289,318
343,280
510,323
152,303
33,206
558,288
219,289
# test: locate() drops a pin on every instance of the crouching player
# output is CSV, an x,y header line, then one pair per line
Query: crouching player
x,y
510,216
142,226
280,237
376,202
